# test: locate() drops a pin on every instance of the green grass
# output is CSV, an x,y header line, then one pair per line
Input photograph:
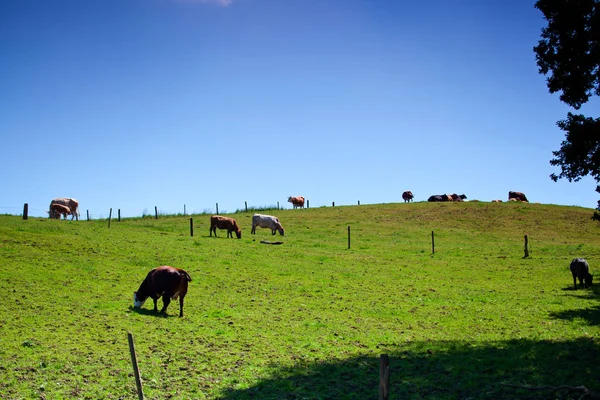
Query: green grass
x,y
307,319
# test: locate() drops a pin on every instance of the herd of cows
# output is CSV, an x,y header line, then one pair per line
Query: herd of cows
x,y
171,283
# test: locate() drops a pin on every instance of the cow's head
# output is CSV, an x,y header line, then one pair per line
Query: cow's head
x,y
280,229
588,280
238,233
137,303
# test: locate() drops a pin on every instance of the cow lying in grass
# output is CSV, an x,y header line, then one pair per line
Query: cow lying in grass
x,y
217,221
165,281
266,221
580,269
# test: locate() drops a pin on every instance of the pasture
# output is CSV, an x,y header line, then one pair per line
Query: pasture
x,y
309,318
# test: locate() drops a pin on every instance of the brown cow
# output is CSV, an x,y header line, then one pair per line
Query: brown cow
x,y
518,196
68,202
165,281
56,210
456,197
296,201
407,196
217,221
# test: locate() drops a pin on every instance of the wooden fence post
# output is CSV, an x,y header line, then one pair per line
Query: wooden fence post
x,y
384,377
119,214
109,217
359,202
25,210
155,212
348,237
278,205
217,204
526,249
333,204
184,213
136,370
246,206
307,204
88,214
191,226
432,243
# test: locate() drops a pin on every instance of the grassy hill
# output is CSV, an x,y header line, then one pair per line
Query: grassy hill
x,y
307,319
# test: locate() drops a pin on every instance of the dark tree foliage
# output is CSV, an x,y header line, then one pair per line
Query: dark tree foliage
x,y
569,55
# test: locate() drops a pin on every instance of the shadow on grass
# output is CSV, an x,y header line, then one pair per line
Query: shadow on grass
x,y
149,311
440,370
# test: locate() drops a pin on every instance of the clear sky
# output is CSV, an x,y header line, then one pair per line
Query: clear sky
x,y
131,104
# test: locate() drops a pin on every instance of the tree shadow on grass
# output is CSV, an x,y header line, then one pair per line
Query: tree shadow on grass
x,y
440,370
591,315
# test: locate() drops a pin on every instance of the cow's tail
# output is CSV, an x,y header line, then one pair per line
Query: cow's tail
x,y
187,276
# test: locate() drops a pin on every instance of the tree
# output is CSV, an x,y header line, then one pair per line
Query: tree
x,y
568,54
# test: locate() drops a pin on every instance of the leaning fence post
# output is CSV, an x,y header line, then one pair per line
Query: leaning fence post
x,y
384,377
526,249
25,210
109,217
136,370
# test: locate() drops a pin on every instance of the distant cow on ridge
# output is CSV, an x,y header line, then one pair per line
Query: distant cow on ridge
x,y
266,221
517,196
296,201
217,221
56,210
67,202
407,196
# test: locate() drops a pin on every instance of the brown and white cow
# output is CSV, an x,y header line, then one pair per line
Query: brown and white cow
x,y
168,282
517,196
496,201
218,221
266,221
580,270
296,201
56,210
407,196
68,202
457,197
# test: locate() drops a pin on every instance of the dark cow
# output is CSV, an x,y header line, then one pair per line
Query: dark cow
x,y
580,270
266,221
438,197
165,281
518,196
407,196
56,210
456,197
217,221
296,201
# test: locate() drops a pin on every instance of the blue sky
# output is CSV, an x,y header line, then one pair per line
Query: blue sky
x,y
141,103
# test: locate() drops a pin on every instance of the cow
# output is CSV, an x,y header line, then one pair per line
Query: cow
x,y
580,270
266,221
71,203
518,196
407,196
456,197
56,210
496,201
438,197
296,201
168,282
217,221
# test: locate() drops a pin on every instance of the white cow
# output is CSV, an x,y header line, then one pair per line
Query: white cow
x,y
67,202
266,221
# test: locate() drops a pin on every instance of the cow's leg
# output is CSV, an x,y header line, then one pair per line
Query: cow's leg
x,y
181,306
253,229
155,305
273,231
166,300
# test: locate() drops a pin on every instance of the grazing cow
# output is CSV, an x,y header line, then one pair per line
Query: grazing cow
x,y
580,270
296,201
438,197
407,196
266,221
56,210
456,197
71,203
165,281
217,221
518,196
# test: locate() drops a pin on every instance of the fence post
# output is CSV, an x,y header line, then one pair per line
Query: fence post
x,y
25,210
119,214
246,206
333,204
278,205
432,243
88,214
109,217
155,212
348,237
184,213
191,226
384,377
217,208
359,202
307,204
136,370
526,249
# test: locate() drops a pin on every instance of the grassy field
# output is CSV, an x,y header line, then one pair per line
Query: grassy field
x,y
307,319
